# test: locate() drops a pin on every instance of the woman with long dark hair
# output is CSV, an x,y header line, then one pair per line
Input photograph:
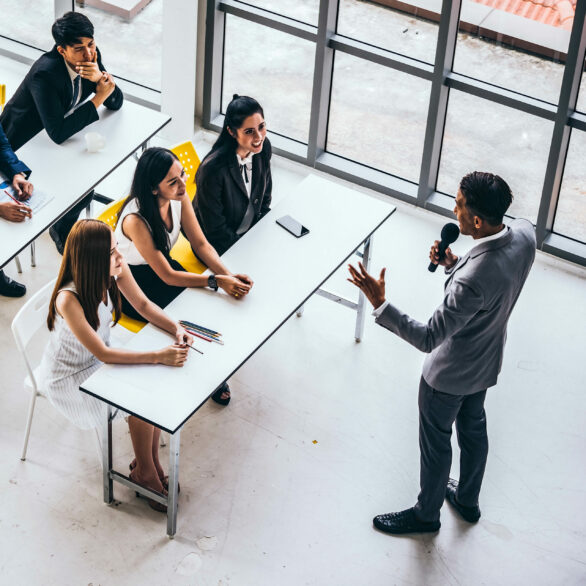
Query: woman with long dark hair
x,y
87,292
149,223
234,181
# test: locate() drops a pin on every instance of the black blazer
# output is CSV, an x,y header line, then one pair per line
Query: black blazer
x,y
43,98
221,199
10,164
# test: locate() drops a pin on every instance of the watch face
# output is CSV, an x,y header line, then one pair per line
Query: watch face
x,y
212,283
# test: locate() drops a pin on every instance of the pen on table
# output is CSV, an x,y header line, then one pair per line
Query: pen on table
x,y
193,347
203,337
11,196
201,331
188,323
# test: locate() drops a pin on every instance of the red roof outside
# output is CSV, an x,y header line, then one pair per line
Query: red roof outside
x,y
553,12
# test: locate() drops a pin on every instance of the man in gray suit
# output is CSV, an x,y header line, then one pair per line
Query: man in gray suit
x,y
464,339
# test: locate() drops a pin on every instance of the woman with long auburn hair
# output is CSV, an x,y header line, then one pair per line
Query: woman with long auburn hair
x,y
87,292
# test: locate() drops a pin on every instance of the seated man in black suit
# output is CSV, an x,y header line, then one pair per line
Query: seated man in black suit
x,y
53,93
17,173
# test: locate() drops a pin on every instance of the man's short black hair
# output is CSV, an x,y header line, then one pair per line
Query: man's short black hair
x,y
70,28
487,196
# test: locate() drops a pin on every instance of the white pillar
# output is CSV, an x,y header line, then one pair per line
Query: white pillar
x,y
179,68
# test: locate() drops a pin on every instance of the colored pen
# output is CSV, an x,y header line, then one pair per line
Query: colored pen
x,y
193,348
201,331
11,196
188,323
203,337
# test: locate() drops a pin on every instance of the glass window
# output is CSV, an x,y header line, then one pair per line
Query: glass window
x,y
130,48
483,136
388,29
377,116
276,69
570,217
28,22
302,10
514,50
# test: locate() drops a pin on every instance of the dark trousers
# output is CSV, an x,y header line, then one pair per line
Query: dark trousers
x,y
437,413
65,223
153,287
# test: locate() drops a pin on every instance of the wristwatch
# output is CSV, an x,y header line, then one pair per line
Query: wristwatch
x,y
212,283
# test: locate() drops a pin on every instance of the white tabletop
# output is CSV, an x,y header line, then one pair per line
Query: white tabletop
x,y
286,272
68,171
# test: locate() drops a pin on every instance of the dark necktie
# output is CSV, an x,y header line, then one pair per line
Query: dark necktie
x,y
76,88
243,168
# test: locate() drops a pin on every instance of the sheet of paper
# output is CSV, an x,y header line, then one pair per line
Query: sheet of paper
x,y
36,201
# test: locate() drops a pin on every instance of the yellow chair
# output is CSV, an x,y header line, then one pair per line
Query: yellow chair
x,y
182,252
110,216
187,156
3,98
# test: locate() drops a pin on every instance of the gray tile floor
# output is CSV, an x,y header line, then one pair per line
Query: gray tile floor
x,y
262,504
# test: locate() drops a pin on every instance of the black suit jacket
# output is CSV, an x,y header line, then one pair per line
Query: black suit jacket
x,y
221,199
44,97
10,164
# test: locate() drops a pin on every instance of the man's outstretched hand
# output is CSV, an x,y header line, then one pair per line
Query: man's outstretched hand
x,y
374,289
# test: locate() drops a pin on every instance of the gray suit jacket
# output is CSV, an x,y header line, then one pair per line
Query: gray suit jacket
x,y
465,336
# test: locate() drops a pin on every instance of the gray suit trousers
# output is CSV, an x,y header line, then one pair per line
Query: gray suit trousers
x,y
437,413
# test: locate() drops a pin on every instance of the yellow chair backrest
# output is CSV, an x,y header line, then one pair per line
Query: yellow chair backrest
x,y
187,156
109,215
3,96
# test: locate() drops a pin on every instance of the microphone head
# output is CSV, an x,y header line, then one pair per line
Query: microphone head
x,y
450,233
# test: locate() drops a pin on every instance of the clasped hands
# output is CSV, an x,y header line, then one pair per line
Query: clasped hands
x,y
235,285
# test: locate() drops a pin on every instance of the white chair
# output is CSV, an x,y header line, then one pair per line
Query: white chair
x,y
31,318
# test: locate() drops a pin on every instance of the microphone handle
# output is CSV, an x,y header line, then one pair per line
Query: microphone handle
x,y
441,252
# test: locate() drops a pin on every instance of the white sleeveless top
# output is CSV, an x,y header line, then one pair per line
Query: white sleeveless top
x,y
127,248
66,363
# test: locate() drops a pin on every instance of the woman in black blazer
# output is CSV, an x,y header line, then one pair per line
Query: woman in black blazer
x,y
234,179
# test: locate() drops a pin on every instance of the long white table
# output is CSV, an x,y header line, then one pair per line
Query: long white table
x,y
69,172
286,272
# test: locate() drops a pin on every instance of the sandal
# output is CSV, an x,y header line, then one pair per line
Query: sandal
x,y
164,480
217,395
156,506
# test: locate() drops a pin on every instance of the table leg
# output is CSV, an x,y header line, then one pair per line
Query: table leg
x,y
107,457
174,443
299,311
359,330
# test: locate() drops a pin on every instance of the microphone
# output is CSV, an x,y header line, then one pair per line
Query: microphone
x,y
450,233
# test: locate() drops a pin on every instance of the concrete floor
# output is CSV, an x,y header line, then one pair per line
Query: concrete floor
x,y
280,487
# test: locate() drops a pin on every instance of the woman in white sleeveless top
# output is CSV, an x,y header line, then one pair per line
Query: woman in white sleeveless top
x,y
150,220
91,277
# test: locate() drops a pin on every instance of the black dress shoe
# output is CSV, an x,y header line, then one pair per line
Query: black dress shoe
x,y
217,396
470,514
10,288
57,239
404,522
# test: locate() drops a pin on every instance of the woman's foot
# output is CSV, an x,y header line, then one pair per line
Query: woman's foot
x,y
222,395
162,477
153,483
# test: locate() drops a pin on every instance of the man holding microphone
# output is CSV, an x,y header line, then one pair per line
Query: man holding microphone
x,y
464,339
